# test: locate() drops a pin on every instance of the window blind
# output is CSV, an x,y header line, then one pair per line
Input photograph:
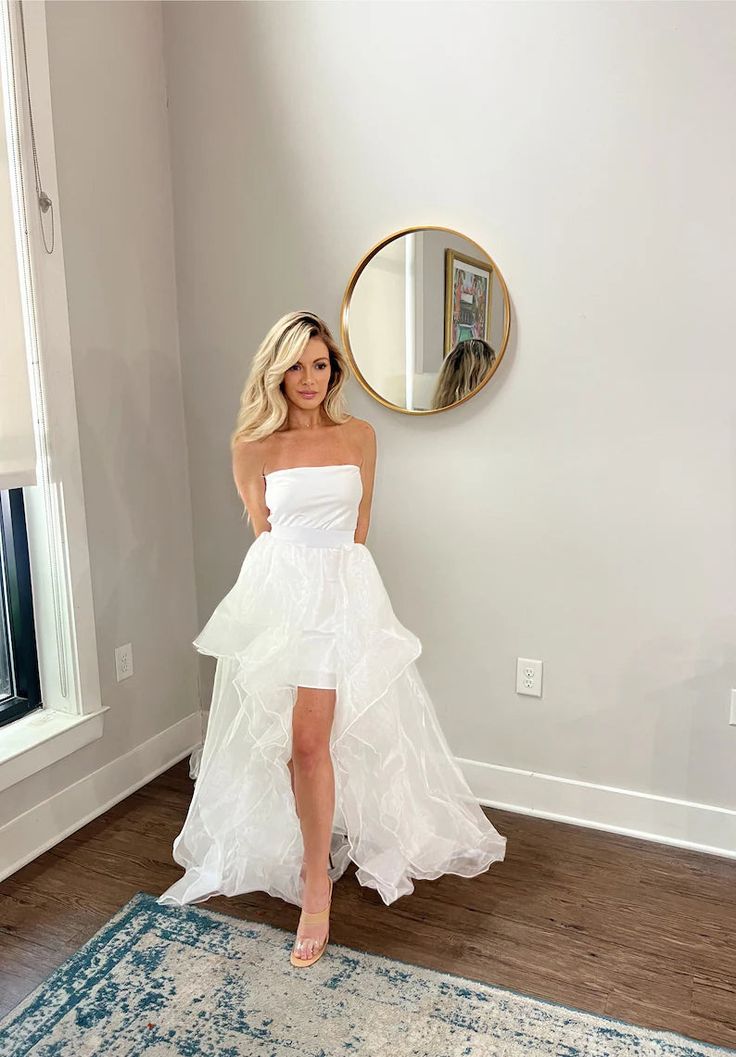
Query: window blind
x,y
17,438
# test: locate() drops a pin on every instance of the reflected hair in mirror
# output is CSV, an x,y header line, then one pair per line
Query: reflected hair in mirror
x,y
463,370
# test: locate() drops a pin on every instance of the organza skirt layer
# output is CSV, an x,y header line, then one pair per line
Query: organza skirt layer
x,y
403,809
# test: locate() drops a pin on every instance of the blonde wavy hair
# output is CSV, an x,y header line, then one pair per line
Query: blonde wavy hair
x,y
463,370
263,406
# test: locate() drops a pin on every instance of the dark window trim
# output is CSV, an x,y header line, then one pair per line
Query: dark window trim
x,y
22,655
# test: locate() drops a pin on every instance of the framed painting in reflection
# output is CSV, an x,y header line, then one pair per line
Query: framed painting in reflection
x,y
468,285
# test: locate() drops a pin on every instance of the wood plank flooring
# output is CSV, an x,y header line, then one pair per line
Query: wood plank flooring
x,y
614,925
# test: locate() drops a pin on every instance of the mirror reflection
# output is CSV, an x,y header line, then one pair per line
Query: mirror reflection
x,y
425,319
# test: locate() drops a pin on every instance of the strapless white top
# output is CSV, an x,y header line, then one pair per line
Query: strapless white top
x,y
314,503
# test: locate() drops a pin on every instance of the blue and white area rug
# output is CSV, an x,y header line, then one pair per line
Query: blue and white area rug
x,y
165,981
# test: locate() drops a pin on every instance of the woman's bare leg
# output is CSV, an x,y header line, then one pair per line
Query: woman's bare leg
x,y
290,765
313,781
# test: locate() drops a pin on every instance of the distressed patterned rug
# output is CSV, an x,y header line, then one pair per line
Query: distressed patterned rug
x,y
179,982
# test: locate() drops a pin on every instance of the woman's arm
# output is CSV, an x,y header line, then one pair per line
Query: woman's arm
x,y
367,441
248,462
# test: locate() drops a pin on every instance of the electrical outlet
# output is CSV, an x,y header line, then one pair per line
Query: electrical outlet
x,y
124,661
528,677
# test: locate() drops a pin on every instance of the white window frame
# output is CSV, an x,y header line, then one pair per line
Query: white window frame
x,y
72,714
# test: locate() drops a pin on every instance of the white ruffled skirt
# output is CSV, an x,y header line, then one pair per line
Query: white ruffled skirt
x,y
403,809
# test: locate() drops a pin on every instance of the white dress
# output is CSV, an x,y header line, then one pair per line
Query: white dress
x,y
309,608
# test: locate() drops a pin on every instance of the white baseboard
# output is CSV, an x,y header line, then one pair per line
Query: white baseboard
x,y
28,836
666,820
701,827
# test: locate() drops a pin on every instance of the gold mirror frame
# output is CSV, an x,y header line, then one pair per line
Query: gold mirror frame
x,y
345,315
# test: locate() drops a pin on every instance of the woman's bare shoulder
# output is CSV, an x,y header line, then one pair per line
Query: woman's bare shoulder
x,y
361,426
363,438
250,455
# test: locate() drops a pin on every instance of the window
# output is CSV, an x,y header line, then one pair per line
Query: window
x,y
50,695
20,691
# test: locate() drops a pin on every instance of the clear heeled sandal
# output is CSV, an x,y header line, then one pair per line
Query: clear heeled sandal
x,y
308,918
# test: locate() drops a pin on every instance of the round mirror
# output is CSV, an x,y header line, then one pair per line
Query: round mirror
x,y
425,319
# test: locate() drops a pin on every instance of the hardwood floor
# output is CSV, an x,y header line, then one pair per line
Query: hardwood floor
x,y
630,929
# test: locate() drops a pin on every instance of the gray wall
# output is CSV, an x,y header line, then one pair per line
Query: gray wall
x,y
579,510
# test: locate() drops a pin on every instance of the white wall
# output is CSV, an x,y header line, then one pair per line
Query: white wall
x,y
581,510
115,214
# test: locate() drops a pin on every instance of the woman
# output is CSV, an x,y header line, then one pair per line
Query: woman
x,y
322,745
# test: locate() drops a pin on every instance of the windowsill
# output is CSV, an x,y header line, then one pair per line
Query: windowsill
x,y
30,744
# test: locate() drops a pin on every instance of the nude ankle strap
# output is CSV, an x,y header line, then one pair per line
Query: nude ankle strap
x,y
314,919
